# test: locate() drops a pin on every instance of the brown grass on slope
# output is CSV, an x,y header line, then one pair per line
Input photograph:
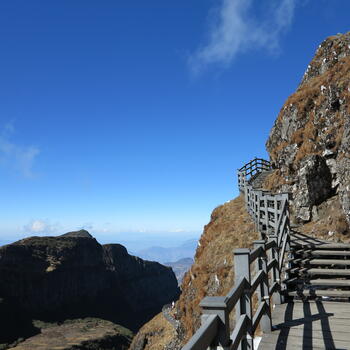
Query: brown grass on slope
x,y
211,274
230,227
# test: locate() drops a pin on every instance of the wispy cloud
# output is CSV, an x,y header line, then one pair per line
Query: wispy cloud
x,y
41,227
237,26
17,156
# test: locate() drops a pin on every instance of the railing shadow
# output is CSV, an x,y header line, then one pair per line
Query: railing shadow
x,y
283,335
328,341
304,239
307,321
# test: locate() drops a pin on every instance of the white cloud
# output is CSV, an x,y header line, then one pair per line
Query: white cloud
x,y
237,26
41,227
15,155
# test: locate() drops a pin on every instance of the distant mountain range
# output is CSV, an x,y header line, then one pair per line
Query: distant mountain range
x,y
171,254
180,267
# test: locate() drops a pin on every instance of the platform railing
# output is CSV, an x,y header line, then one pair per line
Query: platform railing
x,y
216,331
270,213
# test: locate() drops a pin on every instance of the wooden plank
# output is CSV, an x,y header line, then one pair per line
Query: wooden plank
x,y
327,272
316,324
309,332
321,293
331,252
329,262
299,310
278,342
330,282
334,246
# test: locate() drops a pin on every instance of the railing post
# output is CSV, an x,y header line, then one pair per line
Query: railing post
x,y
266,215
275,213
217,306
263,291
277,297
258,226
244,305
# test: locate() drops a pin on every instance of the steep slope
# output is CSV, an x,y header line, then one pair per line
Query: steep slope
x,y
310,140
73,276
230,227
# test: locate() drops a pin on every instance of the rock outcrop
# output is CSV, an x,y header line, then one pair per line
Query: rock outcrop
x,y
73,276
309,143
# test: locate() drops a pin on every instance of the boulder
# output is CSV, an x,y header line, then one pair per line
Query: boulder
x,y
314,185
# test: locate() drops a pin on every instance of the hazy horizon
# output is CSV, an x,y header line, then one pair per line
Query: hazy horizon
x,y
133,241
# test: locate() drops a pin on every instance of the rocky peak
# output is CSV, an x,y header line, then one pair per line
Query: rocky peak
x,y
73,276
80,233
328,54
309,142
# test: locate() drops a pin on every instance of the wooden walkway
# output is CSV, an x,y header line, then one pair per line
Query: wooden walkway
x,y
309,325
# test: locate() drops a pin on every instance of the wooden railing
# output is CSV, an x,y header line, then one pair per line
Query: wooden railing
x,y
251,170
270,213
216,329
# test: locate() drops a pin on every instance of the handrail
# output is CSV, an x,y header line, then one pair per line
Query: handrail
x,y
205,334
235,293
270,213
240,298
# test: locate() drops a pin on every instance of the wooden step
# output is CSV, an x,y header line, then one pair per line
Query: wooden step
x,y
329,282
320,293
325,272
333,246
328,262
325,282
331,252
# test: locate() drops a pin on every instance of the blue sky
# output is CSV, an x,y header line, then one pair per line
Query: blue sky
x,y
130,118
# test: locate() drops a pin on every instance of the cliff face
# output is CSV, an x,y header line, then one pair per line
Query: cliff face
x,y
73,276
310,140
230,227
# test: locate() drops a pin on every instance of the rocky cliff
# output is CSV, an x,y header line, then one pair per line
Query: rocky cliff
x,y
309,145
73,276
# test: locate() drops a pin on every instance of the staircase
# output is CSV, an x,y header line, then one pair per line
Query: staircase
x,y
258,179
319,269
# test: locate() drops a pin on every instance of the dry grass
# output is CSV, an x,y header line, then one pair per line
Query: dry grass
x,y
156,334
309,101
230,227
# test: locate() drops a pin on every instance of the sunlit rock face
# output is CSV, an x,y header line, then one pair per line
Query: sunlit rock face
x,y
309,142
74,276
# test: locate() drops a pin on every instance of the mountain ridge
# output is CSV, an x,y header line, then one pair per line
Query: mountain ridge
x,y
73,276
